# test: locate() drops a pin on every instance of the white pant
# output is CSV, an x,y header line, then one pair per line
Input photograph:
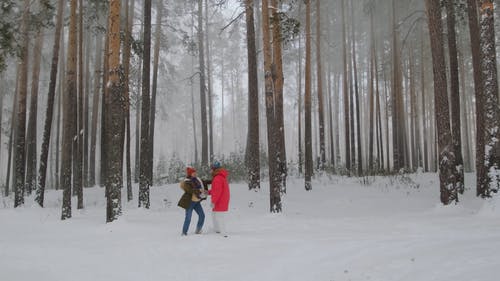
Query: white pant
x,y
219,222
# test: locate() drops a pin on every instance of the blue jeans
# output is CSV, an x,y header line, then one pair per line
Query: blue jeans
x,y
196,206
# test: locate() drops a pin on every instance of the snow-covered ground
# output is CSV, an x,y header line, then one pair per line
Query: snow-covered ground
x,y
341,230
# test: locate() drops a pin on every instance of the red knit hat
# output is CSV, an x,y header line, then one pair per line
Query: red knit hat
x,y
190,171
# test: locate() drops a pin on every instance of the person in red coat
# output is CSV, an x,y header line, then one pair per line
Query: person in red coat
x,y
219,197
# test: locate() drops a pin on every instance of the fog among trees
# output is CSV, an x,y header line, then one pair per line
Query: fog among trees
x,y
118,93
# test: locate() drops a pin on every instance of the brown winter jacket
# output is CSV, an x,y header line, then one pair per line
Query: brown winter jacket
x,y
191,194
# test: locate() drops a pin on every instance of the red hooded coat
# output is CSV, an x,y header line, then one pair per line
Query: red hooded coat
x,y
220,191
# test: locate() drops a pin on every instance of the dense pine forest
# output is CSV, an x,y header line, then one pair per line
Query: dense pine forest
x,y
120,94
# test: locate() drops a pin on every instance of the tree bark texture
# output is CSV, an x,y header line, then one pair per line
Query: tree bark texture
x,y
144,182
274,176
42,173
491,108
448,175
252,148
68,119
114,118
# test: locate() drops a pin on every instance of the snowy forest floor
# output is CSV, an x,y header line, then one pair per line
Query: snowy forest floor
x,y
392,229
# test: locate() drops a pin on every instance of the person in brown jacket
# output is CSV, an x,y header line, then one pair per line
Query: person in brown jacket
x,y
194,193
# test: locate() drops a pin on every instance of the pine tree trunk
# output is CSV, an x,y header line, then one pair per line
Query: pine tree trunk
x,y
278,81
379,114
330,116
474,33
455,93
413,113
203,102
68,120
209,86
275,179
193,109
144,183
156,58
20,151
423,93
86,125
252,154
319,76
346,92
193,117
60,100
78,105
299,105
371,94
12,136
464,113
114,117
31,143
387,140
307,103
397,103
490,101
95,109
129,17
448,175
138,115
105,74
356,97
42,174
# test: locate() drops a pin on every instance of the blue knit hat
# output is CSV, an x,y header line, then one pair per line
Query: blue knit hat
x,y
216,165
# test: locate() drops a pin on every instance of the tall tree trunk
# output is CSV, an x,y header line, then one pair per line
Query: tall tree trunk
x,y
299,105
423,93
114,117
193,109
356,96
448,175
156,58
209,86
274,176
307,103
95,109
455,93
144,183
413,113
20,152
129,16
330,116
138,115
379,114
78,105
203,102
60,100
32,121
86,125
398,120
12,136
346,92
252,154
474,33
490,101
42,174
371,94
386,100
278,80
68,120
319,76
464,113
105,74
